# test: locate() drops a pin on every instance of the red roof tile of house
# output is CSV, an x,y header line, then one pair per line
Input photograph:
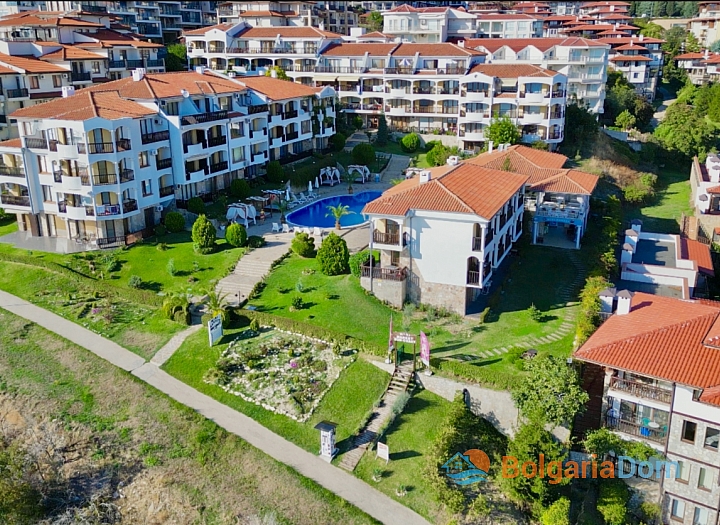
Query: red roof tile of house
x,y
689,56
613,33
714,189
631,47
168,85
44,19
443,49
698,252
359,49
30,64
713,60
630,58
71,53
518,44
203,30
630,39
711,396
374,34
512,70
12,143
464,188
85,105
661,337
524,160
286,32
276,89
567,181
601,4
111,38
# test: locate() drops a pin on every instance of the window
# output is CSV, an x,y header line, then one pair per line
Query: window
x,y
696,394
171,108
57,81
105,198
238,154
394,258
47,193
700,517
712,435
636,75
682,472
305,126
677,509
96,68
27,128
43,165
688,431
704,479
144,159
34,83
147,188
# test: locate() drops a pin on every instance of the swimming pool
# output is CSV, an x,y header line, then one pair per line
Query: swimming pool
x,y
314,213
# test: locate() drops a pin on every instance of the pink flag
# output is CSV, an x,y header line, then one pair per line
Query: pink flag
x,y
390,338
424,349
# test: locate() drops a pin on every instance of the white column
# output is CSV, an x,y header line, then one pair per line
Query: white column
x,y
577,237
534,232
372,229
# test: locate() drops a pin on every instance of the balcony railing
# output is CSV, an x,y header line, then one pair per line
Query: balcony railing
x,y
57,176
15,200
127,175
477,244
17,93
133,63
258,108
558,94
659,435
211,116
218,166
116,64
217,141
167,191
111,242
291,114
154,63
79,77
399,70
291,136
105,179
162,164
641,389
123,144
100,147
237,133
254,132
385,274
339,69
129,205
473,278
12,171
386,238
155,136
36,143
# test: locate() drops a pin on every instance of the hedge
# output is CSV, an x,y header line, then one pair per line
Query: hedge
x,y
477,374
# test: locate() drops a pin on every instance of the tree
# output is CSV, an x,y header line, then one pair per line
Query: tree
x,y
174,222
275,172
581,128
551,393
688,9
410,142
692,44
279,73
333,255
176,59
363,154
236,235
503,131
375,21
303,245
240,189
652,30
203,235
625,120
382,133
557,514
196,205
643,112
438,155
217,304
337,141
684,131
20,503
338,212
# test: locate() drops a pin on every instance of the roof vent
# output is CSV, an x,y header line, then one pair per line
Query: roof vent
x,y
425,176
200,69
138,74
624,299
68,91
453,160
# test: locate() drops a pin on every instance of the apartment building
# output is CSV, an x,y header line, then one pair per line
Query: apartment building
x,y
706,25
428,24
509,26
701,67
653,373
584,62
640,59
108,161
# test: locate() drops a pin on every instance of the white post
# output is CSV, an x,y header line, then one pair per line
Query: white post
x,y
577,237
534,230
483,231
372,227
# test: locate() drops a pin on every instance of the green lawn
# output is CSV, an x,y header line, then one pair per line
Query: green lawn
x,y
8,225
347,403
662,215
395,149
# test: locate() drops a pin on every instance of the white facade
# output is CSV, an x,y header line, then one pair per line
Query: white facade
x,y
509,26
428,25
705,26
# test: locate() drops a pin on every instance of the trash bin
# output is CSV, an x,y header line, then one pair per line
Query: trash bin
x,y
377,177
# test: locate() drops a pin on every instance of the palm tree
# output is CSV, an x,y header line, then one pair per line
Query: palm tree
x,y
217,303
283,207
338,212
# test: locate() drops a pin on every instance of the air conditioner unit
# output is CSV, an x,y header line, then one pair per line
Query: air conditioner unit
x,y
153,152
159,208
157,121
163,102
65,75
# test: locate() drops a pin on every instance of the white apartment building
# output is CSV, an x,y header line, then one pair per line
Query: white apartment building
x,y
640,59
428,24
706,25
108,160
584,62
653,368
509,26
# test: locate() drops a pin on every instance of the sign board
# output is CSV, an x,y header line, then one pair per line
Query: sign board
x,y
383,451
402,337
215,329
424,349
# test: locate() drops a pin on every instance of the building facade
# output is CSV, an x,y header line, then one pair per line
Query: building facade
x,y
705,25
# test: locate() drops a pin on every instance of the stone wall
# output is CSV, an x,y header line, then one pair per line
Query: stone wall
x,y
392,292
446,296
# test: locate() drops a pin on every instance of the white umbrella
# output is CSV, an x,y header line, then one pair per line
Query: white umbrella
x,y
287,194
310,188
317,182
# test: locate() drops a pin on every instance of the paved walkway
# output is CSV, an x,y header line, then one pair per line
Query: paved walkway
x,y
348,487
166,352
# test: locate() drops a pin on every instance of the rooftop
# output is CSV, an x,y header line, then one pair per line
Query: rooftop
x,y
518,44
286,32
512,70
86,105
276,89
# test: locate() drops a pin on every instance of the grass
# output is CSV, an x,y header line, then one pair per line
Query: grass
x,y
121,430
672,199
347,403
8,225
409,439
395,149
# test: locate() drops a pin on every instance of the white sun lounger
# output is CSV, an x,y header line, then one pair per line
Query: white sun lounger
x,y
276,227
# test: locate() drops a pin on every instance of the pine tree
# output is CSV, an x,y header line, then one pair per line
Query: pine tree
x,y
382,133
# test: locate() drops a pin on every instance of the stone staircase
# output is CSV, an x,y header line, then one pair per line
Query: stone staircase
x,y
401,378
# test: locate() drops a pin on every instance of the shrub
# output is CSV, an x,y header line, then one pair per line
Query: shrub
x,y
203,235
256,241
303,245
175,222
162,247
382,134
438,155
535,313
410,142
275,172
170,267
254,325
333,255
337,141
357,122
297,302
431,144
363,154
357,260
240,189
589,317
196,205
557,514
135,281
491,378
236,235
160,230
612,501
176,307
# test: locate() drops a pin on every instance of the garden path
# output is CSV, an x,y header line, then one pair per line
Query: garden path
x,y
173,344
346,486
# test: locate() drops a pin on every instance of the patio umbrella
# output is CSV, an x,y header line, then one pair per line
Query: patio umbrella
x,y
405,62
317,182
310,188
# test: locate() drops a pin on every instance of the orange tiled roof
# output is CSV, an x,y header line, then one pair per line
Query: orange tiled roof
x,y
44,19
444,49
601,4
518,44
714,189
374,34
358,50
71,53
286,32
698,252
629,40
512,70
525,160
85,105
715,59
203,30
276,89
168,85
711,396
566,181
12,143
631,47
661,337
688,56
30,64
111,38
465,188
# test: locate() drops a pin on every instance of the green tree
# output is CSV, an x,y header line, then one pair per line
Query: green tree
x,y
581,128
337,141
176,59
503,131
236,235
692,44
217,304
652,30
589,318
374,21
643,112
688,9
279,73
303,245
438,155
551,392
363,154
338,212
382,133
557,514
410,142
625,120
333,255
240,189
203,235
275,172
174,222
684,131
196,205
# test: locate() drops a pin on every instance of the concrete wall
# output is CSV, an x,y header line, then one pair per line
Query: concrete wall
x,y
450,297
392,292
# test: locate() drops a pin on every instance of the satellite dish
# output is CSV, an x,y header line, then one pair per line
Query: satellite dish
x,y
184,93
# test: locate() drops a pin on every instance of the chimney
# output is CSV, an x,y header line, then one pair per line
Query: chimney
x,y
624,299
631,238
636,225
321,27
273,73
200,70
626,254
453,160
607,300
490,146
138,74
642,37
68,91
461,43
425,176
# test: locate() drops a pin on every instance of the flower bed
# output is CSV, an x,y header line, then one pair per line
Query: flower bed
x,y
283,372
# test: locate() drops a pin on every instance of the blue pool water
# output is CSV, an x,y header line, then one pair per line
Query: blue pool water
x,y
314,214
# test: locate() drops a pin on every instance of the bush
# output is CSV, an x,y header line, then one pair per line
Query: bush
x,y
176,307
174,222
337,141
256,241
557,514
303,245
363,154
357,260
438,155
160,230
275,172
333,255
240,189
357,123
135,281
203,235
382,134
170,267
589,318
535,313
410,142
612,501
196,205
431,144
236,235
162,247
476,374
296,302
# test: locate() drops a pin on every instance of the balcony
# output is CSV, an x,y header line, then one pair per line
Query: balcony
x,y
12,171
399,71
237,133
386,238
127,175
107,210
258,108
219,166
643,390
202,118
397,92
17,93
123,145
100,147
163,164
555,135
258,133
15,200
291,136
477,244
104,179
291,114
385,274
129,205
473,278
116,64
559,94
633,428
167,191
307,68
154,63
217,141
92,8
155,136
475,95
36,143
339,69
80,77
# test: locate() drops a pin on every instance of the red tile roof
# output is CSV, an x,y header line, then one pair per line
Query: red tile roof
x,y
630,39
286,32
661,337
276,89
689,56
566,181
518,44
631,47
512,70
44,19
168,85
359,50
374,34
203,30
12,143
524,160
72,53
464,188
85,105
30,64
698,252
443,49
111,38
714,189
